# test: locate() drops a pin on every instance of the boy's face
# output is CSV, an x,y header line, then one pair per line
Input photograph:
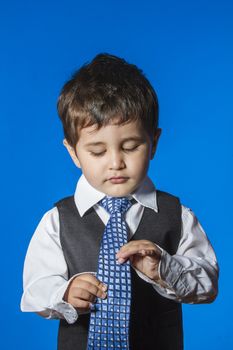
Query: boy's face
x,y
115,158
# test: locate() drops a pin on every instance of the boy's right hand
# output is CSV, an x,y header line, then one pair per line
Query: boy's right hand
x,y
83,291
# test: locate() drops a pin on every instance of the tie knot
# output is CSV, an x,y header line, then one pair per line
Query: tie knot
x,y
115,204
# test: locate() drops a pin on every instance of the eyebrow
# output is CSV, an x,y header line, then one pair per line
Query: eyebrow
x,y
127,139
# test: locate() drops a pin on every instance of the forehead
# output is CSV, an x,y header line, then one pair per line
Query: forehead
x,y
112,133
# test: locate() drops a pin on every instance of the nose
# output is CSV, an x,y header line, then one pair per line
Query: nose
x,y
116,161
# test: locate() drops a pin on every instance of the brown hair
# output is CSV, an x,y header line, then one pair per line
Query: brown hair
x,y
107,90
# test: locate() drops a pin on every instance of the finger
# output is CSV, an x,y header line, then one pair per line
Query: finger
x,y
136,247
83,294
133,250
90,279
137,242
84,287
93,280
152,257
81,304
140,244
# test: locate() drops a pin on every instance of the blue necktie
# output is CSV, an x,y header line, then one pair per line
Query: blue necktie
x,y
109,321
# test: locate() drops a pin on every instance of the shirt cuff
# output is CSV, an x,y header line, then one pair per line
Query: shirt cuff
x,y
63,310
170,269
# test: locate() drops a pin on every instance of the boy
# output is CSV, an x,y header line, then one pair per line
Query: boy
x,y
109,113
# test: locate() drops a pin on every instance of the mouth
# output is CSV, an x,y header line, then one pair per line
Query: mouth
x,y
118,179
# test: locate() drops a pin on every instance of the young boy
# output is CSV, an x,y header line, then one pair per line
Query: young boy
x,y
109,113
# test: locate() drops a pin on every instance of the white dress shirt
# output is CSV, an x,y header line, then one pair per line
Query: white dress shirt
x,y
189,276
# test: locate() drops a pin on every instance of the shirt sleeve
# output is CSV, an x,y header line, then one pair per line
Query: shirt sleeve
x,y
45,276
191,275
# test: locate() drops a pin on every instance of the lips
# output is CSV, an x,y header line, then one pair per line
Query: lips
x,y
118,179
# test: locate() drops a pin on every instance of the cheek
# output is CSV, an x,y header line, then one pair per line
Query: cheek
x,y
139,164
92,167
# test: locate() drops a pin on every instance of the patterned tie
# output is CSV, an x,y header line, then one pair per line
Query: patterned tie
x,y
109,321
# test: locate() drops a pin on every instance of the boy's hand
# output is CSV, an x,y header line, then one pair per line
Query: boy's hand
x,y
83,291
144,256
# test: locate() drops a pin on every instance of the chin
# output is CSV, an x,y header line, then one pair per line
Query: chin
x,y
118,192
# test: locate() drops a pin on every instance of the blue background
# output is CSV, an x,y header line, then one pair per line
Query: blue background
x,y
185,49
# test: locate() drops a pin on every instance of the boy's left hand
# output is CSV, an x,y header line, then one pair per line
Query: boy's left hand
x,y
144,256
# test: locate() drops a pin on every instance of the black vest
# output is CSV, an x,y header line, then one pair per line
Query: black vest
x,y
155,321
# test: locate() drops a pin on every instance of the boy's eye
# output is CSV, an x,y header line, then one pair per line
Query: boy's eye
x,y
97,154
125,149
130,149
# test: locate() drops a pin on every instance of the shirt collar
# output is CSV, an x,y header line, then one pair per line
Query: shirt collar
x,y
86,196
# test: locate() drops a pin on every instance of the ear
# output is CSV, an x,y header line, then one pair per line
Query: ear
x,y
72,153
155,141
